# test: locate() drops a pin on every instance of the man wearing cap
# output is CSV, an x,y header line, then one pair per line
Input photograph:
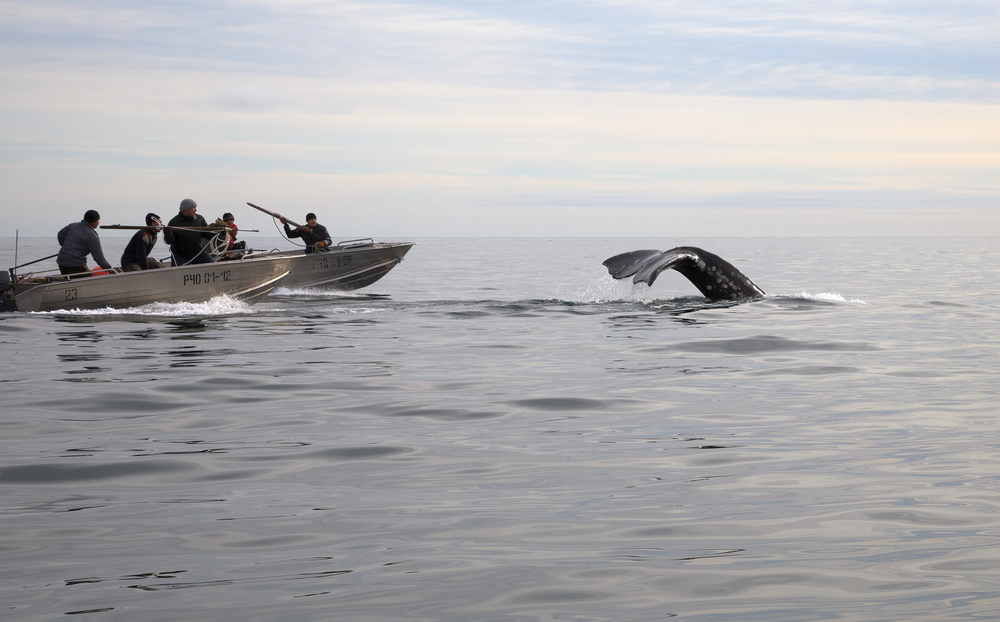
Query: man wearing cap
x,y
77,240
136,255
314,234
186,246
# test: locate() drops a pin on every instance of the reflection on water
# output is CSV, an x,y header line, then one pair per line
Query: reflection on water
x,y
554,452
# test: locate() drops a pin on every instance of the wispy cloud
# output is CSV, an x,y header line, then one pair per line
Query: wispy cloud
x,y
443,114
845,49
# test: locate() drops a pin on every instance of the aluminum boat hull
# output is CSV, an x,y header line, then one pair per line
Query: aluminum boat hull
x,y
247,279
344,267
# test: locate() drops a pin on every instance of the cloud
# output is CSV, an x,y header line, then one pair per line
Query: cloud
x,y
901,22
414,148
841,50
472,118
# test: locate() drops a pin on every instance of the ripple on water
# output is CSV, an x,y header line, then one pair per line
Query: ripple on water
x,y
808,370
335,454
558,404
763,343
556,596
428,411
63,473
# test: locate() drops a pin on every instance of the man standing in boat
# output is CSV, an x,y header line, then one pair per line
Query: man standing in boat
x,y
187,246
136,255
315,235
77,240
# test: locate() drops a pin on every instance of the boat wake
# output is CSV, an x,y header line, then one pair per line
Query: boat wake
x,y
308,292
220,305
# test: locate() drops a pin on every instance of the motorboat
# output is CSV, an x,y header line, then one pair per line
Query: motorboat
x,y
241,273
351,264
248,278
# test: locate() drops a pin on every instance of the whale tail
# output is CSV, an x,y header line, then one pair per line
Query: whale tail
x,y
715,278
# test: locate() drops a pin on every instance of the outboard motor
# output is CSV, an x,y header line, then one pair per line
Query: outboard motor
x,y
6,293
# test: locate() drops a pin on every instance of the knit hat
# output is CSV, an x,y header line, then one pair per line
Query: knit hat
x,y
228,216
187,204
151,218
310,216
91,216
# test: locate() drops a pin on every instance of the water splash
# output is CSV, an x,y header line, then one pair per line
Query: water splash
x,y
607,289
828,296
220,305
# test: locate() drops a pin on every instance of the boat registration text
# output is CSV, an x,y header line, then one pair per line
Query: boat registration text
x,y
214,276
320,263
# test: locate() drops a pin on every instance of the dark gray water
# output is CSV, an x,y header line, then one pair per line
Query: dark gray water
x,y
496,431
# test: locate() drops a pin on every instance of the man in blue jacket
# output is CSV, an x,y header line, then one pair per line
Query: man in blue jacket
x,y
77,240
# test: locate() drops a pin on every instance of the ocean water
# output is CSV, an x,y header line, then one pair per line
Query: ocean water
x,y
498,431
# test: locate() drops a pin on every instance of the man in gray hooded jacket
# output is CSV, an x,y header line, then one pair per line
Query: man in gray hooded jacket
x,y
78,240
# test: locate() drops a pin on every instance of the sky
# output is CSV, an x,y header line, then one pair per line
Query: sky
x,y
506,118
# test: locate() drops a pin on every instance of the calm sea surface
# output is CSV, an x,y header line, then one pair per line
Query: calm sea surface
x,y
497,431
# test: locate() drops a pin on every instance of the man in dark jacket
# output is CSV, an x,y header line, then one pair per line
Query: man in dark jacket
x,y
188,247
77,240
136,255
314,234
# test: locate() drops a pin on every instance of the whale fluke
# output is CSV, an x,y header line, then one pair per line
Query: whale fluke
x,y
714,277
